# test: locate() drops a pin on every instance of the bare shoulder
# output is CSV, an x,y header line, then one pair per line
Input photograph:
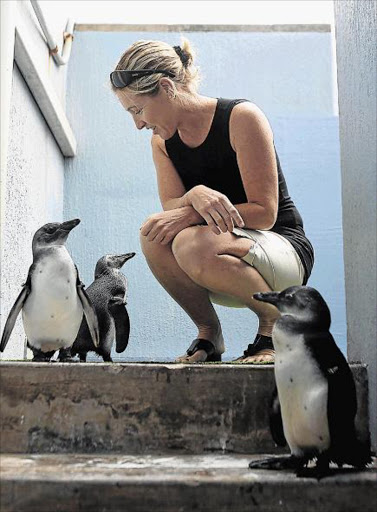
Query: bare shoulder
x,y
247,121
158,145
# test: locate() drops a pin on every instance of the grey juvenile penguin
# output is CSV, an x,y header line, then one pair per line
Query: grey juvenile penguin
x,y
53,298
108,295
315,387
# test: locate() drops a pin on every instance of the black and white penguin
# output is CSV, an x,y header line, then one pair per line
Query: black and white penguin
x,y
315,386
108,295
53,298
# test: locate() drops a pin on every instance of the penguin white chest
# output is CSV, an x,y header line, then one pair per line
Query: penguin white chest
x,y
53,312
303,395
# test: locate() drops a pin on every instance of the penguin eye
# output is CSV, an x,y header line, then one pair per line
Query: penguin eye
x,y
289,296
50,230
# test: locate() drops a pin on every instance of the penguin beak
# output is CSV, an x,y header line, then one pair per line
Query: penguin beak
x,y
70,224
122,258
270,297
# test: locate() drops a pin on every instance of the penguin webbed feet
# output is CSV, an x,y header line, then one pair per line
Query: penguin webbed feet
x,y
320,470
279,463
65,356
39,356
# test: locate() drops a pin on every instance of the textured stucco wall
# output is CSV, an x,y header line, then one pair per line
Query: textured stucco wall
x,y
111,184
356,33
34,174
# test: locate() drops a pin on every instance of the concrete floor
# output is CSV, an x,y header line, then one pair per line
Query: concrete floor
x,y
142,483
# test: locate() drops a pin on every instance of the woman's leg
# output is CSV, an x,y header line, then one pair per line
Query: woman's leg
x,y
214,262
193,298
199,261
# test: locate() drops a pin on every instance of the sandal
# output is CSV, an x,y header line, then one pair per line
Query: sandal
x,y
262,346
207,346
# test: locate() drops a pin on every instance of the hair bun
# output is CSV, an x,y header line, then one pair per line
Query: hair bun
x,y
183,55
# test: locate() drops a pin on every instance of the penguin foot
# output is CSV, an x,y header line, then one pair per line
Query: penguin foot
x,y
65,356
41,357
320,470
283,462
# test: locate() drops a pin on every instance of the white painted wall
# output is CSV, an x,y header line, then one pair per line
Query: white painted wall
x,y
33,172
356,34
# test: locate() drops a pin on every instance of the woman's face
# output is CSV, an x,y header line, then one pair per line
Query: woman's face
x,y
155,113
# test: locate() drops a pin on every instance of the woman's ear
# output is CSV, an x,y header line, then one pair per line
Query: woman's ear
x,y
168,87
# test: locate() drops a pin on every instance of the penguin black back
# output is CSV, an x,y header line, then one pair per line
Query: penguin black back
x,y
315,384
107,291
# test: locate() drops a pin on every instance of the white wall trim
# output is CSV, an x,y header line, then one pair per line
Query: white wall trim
x,y
123,27
44,94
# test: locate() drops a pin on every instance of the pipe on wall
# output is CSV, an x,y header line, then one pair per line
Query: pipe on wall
x,y
62,59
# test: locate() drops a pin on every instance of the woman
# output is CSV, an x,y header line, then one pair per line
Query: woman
x,y
228,228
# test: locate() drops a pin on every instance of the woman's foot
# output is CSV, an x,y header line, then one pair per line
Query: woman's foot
x,y
261,351
202,351
200,356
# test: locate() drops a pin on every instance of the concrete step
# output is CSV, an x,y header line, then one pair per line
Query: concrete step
x,y
141,408
211,483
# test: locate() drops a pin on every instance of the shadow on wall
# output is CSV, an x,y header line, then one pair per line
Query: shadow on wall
x,y
111,184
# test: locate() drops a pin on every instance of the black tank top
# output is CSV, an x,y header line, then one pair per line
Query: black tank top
x,y
214,164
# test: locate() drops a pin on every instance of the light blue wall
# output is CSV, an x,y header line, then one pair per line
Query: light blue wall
x,y
111,184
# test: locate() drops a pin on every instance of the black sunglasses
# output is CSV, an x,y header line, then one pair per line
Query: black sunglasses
x,y
123,77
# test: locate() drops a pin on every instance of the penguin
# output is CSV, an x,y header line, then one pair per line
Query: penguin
x,y
108,295
53,298
315,387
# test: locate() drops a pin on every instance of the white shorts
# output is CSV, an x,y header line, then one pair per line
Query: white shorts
x,y
274,257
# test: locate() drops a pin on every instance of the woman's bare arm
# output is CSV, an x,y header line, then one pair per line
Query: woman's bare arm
x,y
252,139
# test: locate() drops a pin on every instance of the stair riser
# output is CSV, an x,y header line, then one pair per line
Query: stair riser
x,y
115,496
133,408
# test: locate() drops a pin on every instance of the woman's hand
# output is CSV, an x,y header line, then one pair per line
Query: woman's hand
x,y
215,208
164,226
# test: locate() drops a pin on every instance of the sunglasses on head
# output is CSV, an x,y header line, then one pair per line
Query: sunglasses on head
x,y
123,77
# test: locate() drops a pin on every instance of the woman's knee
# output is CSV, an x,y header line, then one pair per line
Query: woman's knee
x,y
200,243
192,249
152,250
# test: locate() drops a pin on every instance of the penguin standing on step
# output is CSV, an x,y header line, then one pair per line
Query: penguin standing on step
x,y
108,295
53,298
315,386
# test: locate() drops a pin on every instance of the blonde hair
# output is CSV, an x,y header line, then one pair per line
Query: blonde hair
x,y
159,55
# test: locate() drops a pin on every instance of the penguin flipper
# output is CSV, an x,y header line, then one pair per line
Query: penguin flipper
x,y
122,323
89,311
13,314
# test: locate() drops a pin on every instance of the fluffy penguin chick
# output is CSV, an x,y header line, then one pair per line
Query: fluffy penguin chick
x,y
53,298
315,386
108,295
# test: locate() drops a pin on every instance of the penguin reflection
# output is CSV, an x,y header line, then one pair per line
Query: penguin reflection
x,y
229,227
108,294
53,298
